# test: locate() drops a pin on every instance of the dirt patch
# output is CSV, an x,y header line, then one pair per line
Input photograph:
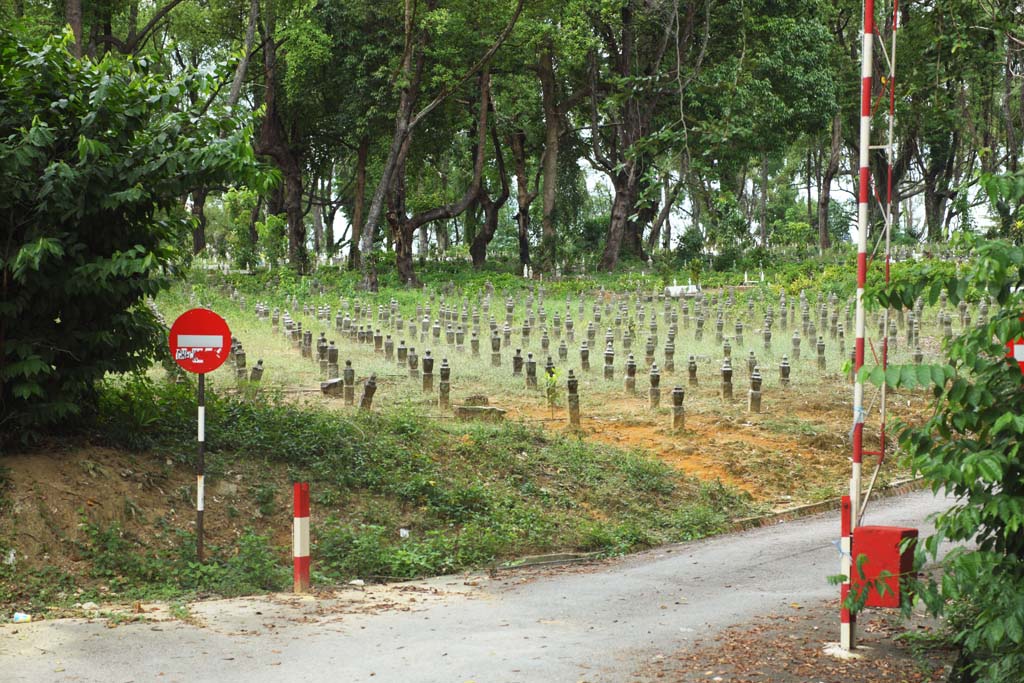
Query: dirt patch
x,y
795,648
795,452
54,495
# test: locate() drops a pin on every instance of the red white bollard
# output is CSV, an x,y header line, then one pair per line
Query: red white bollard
x,y
300,537
847,619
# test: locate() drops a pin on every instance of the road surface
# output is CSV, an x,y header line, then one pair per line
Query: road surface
x,y
593,624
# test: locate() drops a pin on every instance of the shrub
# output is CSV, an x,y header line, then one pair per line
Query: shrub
x,y
95,158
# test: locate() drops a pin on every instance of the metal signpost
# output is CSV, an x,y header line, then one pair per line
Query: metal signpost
x,y
200,340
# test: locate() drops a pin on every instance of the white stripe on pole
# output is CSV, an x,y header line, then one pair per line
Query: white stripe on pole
x,y
200,491
202,423
300,537
855,489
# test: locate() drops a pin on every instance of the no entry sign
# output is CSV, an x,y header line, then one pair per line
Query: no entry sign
x,y
1017,352
199,340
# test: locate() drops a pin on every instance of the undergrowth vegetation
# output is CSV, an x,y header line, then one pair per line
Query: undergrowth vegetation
x,y
395,496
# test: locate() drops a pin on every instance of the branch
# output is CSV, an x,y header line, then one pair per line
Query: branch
x,y
160,14
455,208
447,91
250,36
599,159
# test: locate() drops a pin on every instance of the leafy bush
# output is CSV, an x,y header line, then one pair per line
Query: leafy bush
x,y
95,158
971,447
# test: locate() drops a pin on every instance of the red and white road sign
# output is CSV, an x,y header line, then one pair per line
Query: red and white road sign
x,y
1016,352
199,340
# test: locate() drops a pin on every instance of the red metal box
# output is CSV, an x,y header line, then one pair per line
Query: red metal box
x,y
881,545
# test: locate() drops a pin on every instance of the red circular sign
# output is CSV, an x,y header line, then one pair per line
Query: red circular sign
x,y
1016,351
200,340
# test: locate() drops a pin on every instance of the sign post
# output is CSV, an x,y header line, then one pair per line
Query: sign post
x,y
199,342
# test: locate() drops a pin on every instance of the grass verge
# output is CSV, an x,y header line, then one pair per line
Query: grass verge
x,y
396,495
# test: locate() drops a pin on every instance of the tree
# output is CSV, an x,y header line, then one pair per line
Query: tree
x,y
410,82
971,447
96,157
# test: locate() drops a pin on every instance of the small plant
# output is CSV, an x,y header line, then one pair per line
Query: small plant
x,y
180,611
264,495
115,555
553,388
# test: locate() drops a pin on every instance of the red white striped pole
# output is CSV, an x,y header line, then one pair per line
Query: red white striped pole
x,y
847,619
201,469
864,193
300,537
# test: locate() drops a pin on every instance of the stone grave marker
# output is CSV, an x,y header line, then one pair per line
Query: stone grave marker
x,y
678,411
726,372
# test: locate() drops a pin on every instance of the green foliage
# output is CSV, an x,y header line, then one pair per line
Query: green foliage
x,y
95,158
273,239
469,494
234,234
971,447
125,566
1006,196
33,591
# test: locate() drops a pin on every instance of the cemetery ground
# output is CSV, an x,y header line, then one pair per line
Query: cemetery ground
x,y
405,490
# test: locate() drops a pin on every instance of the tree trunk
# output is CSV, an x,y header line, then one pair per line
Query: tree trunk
x,y
491,207
524,198
199,227
359,202
1011,80
763,209
669,195
275,202
133,21
330,239
441,233
254,217
808,176
403,255
298,255
73,16
424,243
622,205
318,229
934,211
407,99
549,159
632,239
824,194
936,176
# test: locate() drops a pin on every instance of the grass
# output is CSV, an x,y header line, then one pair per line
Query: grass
x,y
469,494
286,369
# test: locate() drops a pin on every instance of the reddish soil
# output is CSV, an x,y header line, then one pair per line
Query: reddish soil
x,y
795,451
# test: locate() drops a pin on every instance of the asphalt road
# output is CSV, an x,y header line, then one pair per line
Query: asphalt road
x,y
593,624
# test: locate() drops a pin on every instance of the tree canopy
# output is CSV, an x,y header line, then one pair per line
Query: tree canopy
x,y
96,157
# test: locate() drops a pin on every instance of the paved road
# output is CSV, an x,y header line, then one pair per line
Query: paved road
x,y
596,624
